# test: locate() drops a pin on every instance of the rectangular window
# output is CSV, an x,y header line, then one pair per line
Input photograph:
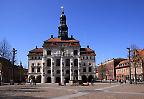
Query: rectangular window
x,y
49,52
75,52
84,69
58,62
38,69
48,62
32,70
90,69
75,62
67,62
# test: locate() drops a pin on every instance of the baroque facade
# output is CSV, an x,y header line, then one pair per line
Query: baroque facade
x,y
61,59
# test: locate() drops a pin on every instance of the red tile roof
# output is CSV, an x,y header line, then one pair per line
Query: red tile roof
x,y
54,42
60,40
87,51
122,62
36,51
141,52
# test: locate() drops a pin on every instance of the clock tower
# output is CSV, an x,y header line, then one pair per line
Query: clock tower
x,y
63,29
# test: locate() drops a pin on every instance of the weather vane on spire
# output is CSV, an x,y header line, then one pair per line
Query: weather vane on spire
x,y
62,9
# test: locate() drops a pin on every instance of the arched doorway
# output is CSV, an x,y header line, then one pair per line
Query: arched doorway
x,y
90,77
32,77
57,80
38,79
48,79
84,79
67,78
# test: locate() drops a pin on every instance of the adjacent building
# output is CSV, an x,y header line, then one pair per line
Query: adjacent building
x,y
9,72
61,59
137,68
106,70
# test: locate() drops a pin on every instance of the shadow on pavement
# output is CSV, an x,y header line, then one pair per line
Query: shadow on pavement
x,y
19,97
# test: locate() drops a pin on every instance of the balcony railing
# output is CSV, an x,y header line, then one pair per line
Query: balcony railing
x,y
58,55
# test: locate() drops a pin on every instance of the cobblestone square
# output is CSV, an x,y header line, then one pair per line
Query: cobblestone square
x,y
53,91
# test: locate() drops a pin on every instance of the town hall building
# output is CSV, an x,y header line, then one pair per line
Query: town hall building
x,y
61,59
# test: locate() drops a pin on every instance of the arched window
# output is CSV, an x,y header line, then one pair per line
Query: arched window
x,y
49,52
58,71
75,62
48,62
49,71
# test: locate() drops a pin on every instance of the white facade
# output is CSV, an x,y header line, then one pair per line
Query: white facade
x,y
61,59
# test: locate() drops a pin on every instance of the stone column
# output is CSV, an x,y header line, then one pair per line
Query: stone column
x,y
79,76
94,70
52,67
43,71
70,69
61,69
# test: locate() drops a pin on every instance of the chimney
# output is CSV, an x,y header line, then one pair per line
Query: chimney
x,y
87,46
36,47
51,36
72,36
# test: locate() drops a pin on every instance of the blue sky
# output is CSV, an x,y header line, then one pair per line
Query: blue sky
x,y
107,26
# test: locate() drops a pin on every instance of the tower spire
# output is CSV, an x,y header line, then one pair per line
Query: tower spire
x,y
62,9
63,29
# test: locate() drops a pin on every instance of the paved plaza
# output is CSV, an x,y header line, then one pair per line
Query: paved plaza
x,y
53,91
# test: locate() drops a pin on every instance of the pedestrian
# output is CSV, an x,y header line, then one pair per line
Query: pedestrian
x,y
92,81
30,81
34,81
59,83
64,82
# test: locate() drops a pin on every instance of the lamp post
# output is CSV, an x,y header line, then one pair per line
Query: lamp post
x,y
0,74
20,71
135,60
129,66
13,61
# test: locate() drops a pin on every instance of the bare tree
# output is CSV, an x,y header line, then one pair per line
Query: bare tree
x,y
135,58
103,71
5,49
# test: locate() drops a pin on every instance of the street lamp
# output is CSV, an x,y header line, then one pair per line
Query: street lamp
x,y
13,61
1,74
129,66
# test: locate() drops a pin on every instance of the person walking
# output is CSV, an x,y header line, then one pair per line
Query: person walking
x,y
64,82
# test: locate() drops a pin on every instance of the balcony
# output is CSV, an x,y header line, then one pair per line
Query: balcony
x,y
64,55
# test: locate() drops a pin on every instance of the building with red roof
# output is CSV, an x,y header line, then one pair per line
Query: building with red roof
x,y
61,59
